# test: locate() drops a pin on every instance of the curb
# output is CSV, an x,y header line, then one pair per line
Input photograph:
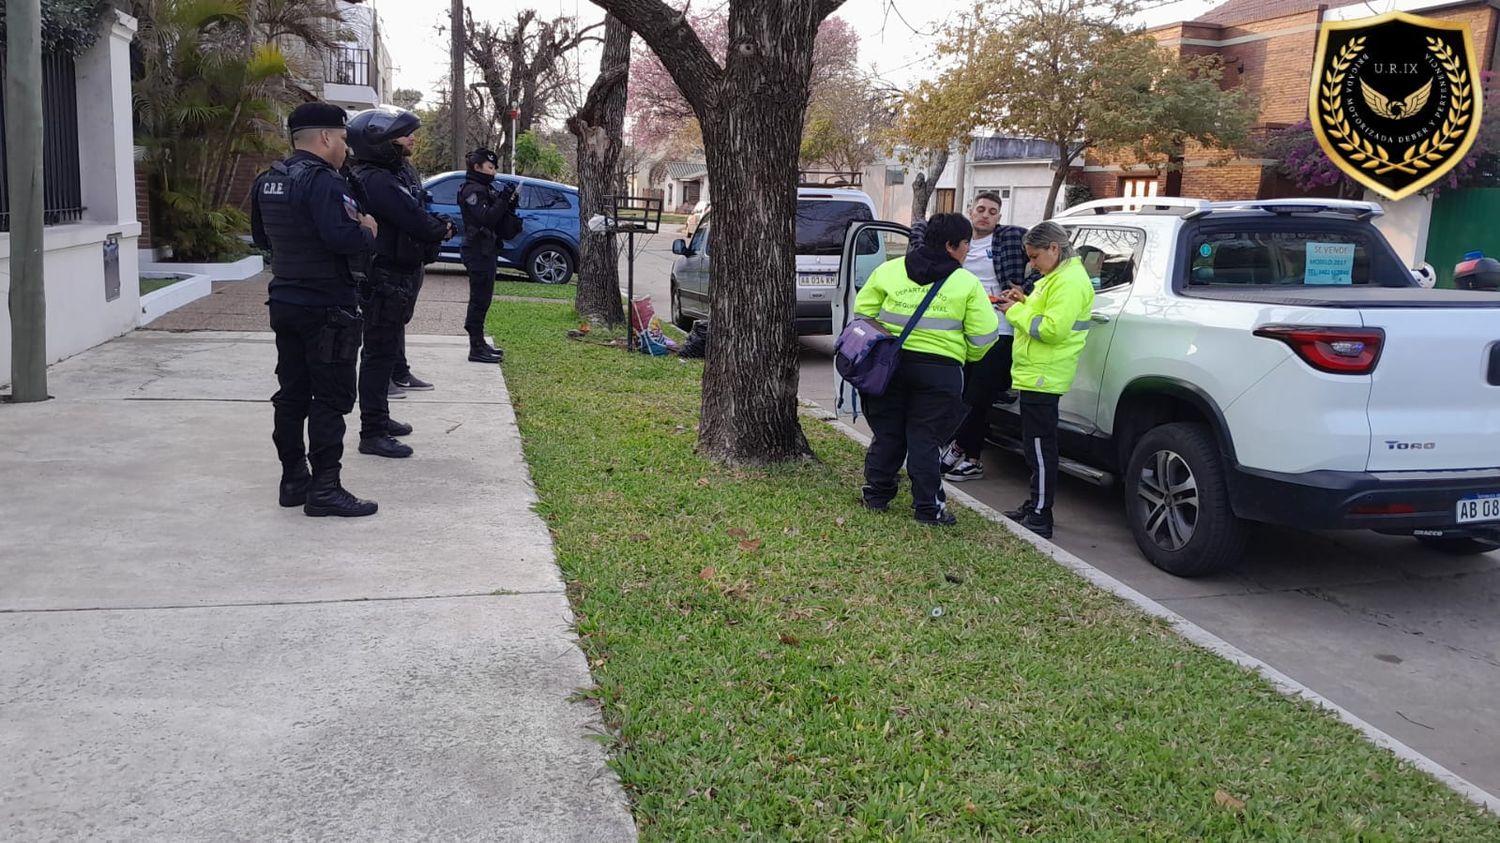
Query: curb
x,y
1284,684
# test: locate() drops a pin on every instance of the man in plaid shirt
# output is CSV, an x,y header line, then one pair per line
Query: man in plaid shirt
x,y
998,258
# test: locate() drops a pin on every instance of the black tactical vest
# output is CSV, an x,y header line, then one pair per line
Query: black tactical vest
x,y
296,254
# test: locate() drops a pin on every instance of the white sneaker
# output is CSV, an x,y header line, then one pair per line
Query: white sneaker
x,y
951,456
966,470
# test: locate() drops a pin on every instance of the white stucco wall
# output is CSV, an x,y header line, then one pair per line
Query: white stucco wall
x,y
1405,224
78,315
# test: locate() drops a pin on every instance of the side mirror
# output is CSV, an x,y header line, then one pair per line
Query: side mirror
x,y
679,247
1426,276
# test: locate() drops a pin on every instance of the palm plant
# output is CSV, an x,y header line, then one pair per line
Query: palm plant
x,y
210,87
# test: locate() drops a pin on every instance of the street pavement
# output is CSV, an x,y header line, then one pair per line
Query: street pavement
x,y
185,660
1406,639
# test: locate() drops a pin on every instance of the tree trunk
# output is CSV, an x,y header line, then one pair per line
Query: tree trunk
x,y
925,184
752,141
751,110
1064,163
1175,164
23,149
599,126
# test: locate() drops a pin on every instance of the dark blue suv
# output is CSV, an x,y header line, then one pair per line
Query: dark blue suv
x,y
547,248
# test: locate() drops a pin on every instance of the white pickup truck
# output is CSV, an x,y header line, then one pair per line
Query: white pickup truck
x,y
1271,361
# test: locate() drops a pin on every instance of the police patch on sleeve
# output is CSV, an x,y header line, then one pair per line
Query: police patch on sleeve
x,y
351,208
473,199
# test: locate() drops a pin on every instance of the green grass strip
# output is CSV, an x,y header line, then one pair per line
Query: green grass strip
x,y
773,663
532,290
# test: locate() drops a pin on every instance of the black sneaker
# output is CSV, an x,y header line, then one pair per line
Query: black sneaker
x,y
394,392
941,519
1039,523
876,506
966,470
384,446
412,383
1021,512
484,355
396,428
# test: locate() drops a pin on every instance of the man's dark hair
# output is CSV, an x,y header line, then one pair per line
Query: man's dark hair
x,y
990,195
947,230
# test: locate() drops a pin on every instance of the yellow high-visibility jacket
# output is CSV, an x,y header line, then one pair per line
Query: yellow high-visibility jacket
x,y
1051,328
960,323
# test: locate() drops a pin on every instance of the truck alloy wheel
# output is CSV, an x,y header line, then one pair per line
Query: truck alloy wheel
x,y
1177,502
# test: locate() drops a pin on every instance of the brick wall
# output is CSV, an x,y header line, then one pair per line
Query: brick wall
x,y
244,175
143,204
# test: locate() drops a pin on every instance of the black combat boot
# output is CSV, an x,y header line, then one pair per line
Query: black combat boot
x,y
295,479
384,446
481,351
326,496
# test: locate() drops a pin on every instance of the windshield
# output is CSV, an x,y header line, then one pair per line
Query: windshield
x,y
821,224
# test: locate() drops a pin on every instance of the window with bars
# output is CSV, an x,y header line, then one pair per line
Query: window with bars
x,y
62,183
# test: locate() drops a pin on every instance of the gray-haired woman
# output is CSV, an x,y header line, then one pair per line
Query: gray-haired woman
x,y
1051,327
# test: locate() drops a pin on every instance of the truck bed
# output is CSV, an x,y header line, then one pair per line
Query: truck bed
x,y
1349,297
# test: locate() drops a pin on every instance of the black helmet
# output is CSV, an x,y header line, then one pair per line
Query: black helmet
x,y
371,132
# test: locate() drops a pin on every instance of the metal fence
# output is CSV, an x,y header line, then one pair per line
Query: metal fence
x,y
62,182
352,66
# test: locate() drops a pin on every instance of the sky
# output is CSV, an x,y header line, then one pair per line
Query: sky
x,y
895,35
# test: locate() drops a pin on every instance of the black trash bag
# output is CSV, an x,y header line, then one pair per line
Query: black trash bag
x,y
696,345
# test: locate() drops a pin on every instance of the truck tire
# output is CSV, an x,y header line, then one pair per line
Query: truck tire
x,y
1177,502
1456,546
679,318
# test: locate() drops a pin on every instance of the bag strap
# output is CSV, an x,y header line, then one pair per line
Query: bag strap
x,y
921,309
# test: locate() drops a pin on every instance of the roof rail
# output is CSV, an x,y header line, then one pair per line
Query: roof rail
x,y
1140,204
1356,208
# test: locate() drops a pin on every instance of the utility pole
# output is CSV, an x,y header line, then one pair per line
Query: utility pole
x,y
960,203
23,159
458,93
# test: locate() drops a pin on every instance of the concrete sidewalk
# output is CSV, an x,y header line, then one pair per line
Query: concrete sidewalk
x,y
185,659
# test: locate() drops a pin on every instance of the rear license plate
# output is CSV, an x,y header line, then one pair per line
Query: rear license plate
x,y
817,280
1477,508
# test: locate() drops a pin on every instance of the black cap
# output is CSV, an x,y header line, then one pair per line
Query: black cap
x,y
316,115
481,155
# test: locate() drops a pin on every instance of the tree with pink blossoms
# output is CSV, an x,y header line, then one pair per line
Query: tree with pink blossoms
x,y
661,118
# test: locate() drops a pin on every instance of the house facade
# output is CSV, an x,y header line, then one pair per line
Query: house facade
x,y
1267,47
358,74
89,244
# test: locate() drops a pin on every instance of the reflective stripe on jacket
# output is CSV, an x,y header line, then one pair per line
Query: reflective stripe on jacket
x,y
960,323
1051,328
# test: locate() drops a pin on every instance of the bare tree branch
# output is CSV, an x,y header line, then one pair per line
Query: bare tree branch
x,y
669,35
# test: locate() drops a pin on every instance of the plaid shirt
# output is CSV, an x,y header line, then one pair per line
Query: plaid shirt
x,y
1005,250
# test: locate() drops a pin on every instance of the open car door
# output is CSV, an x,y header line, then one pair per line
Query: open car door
x,y
867,245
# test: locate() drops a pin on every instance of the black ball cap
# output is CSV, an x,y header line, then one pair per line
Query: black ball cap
x,y
481,155
316,115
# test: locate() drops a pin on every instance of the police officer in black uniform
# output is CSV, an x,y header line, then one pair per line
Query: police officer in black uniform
x,y
302,211
404,381
409,237
489,218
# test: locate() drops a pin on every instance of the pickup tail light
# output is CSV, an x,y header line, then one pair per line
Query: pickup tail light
x,y
1338,351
